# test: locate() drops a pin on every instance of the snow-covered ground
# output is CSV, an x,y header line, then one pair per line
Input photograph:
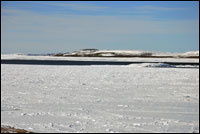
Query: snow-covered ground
x,y
103,98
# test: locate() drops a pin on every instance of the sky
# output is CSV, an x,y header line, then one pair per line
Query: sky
x,y
41,27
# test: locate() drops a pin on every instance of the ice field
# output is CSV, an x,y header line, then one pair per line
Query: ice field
x,y
100,98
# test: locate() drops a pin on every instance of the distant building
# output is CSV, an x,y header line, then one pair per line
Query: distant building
x,y
88,50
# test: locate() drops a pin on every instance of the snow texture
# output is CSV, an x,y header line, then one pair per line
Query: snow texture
x,y
110,99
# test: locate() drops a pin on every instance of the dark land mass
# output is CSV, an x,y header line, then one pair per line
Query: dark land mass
x,y
8,129
80,63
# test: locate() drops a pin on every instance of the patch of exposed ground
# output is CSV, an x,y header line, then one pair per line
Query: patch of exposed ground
x,y
8,129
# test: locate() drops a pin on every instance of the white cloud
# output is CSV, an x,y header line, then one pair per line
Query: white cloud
x,y
79,6
94,7
158,8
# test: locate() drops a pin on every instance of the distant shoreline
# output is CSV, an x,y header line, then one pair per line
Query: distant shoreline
x,y
122,54
127,54
192,57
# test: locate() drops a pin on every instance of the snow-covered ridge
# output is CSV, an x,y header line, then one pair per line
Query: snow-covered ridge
x,y
121,53
128,53
112,53
190,54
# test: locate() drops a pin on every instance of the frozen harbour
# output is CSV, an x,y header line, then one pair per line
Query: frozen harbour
x,y
103,98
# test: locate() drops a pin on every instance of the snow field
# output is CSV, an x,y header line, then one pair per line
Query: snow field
x,y
100,98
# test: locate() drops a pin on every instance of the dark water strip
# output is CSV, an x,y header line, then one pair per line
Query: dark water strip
x,y
70,62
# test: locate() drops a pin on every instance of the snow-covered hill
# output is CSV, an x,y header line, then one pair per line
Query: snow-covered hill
x,y
128,53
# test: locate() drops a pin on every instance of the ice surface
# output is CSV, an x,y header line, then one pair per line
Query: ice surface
x,y
131,98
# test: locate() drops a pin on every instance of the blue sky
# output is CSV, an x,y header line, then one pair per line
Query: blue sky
x,y
66,26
